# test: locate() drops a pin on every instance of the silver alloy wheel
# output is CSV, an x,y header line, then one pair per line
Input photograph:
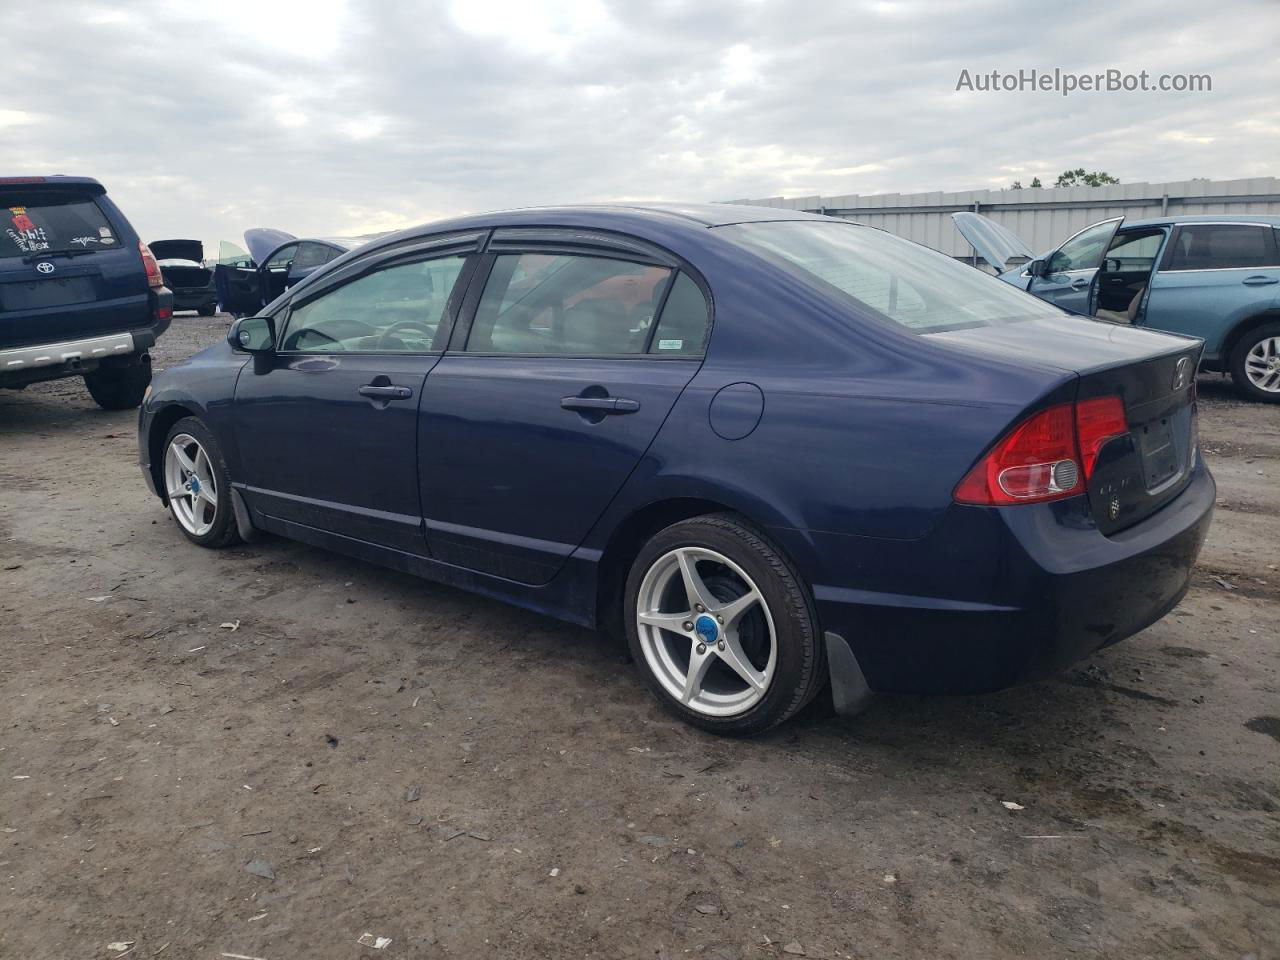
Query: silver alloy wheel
x,y
1262,364
715,656
188,479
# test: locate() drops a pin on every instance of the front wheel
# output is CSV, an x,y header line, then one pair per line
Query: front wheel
x,y
1255,363
722,627
198,486
119,388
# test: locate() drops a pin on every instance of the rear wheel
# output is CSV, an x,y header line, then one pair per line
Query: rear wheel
x,y
722,627
198,485
1255,363
207,309
119,388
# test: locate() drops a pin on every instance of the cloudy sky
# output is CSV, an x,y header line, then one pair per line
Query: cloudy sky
x,y
336,117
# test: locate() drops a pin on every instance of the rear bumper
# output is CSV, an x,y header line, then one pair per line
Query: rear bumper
x,y
192,298
1049,588
33,363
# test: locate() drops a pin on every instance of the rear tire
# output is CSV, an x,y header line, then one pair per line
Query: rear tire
x,y
119,388
745,630
1255,363
198,485
207,309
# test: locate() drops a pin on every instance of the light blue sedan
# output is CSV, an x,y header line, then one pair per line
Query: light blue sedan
x,y
1213,277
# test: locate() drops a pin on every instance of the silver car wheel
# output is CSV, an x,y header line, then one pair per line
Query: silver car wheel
x,y
1262,364
706,632
190,484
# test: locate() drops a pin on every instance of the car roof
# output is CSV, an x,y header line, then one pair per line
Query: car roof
x,y
1273,221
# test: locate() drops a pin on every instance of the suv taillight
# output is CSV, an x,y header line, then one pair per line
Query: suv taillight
x,y
154,279
1048,456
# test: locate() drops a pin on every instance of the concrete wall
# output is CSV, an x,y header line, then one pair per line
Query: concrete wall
x,y
1043,218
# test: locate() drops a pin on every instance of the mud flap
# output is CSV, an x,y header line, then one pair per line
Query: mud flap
x,y
850,694
244,526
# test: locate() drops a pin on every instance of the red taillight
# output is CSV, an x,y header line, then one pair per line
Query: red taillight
x,y
6,180
154,279
1098,420
1048,456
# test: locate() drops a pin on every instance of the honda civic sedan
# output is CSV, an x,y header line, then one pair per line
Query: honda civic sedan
x,y
783,455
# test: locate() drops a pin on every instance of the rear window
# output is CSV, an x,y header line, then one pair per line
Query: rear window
x,y
35,223
899,281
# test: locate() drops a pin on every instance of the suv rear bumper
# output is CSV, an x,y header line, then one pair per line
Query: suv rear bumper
x,y
33,363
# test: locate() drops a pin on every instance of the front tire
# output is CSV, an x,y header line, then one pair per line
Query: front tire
x,y
119,388
198,486
1255,363
722,627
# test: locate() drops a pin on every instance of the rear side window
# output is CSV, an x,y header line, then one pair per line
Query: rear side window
x,y
1222,246
683,327
567,305
35,223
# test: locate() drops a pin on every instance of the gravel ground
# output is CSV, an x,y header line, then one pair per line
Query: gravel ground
x,y
370,753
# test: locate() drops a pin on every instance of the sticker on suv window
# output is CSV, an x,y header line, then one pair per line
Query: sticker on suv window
x,y
670,344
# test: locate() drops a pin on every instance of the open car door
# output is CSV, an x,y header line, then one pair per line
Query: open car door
x,y
1065,277
235,277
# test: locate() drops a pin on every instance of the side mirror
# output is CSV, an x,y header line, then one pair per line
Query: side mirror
x,y
253,335
1038,268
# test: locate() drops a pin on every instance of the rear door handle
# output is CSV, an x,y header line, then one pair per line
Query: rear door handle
x,y
1259,281
385,392
600,404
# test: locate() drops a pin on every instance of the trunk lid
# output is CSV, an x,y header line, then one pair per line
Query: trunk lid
x,y
177,250
1153,374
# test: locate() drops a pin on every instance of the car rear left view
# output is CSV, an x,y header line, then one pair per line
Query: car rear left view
x,y
780,453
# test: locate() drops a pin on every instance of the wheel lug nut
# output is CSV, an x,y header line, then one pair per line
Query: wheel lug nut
x,y
688,626
720,645
699,607
720,620
702,648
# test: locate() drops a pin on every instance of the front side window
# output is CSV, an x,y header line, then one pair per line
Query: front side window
x,y
1134,251
1083,251
1223,246
567,304
393,310
311,255
35,223
887,276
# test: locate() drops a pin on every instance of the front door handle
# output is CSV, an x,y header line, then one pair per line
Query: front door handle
x,y
1080,283
385,391
600,404
1259,281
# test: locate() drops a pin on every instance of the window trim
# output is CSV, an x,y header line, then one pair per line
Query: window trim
x,y
553,242
418,253
1166,259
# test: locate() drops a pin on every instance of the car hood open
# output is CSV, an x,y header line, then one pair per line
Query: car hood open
x,y
994,243
261,241
177,250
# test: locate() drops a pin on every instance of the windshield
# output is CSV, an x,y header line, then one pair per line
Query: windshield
x,y
895,279
35,224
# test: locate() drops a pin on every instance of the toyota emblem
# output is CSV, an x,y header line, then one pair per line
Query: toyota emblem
x,y
44,266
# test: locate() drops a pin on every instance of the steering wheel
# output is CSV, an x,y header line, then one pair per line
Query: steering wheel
x,y
416,326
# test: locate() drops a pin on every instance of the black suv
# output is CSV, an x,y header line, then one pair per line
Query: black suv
x,y
80,294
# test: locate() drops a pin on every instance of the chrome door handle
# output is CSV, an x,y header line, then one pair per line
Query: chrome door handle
x,y
1080,283
1259,281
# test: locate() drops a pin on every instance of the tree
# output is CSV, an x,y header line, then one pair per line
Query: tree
x,y
1079,178
1035,183
1016,185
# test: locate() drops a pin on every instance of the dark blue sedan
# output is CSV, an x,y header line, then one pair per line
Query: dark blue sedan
x,y
780,453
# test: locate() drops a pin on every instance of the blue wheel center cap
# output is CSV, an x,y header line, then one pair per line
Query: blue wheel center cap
x,y
195,484
706,629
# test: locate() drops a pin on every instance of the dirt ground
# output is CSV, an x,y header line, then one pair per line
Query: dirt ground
x,y
370,753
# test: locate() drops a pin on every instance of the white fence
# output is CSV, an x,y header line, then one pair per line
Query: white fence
x,y
1041,217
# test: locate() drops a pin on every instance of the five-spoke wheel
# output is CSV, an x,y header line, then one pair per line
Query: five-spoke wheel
x,y
721,626
1255,363
196,484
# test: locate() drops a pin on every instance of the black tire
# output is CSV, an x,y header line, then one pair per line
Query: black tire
x,y
801,668
207,309
1239,355
223,532
119,388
